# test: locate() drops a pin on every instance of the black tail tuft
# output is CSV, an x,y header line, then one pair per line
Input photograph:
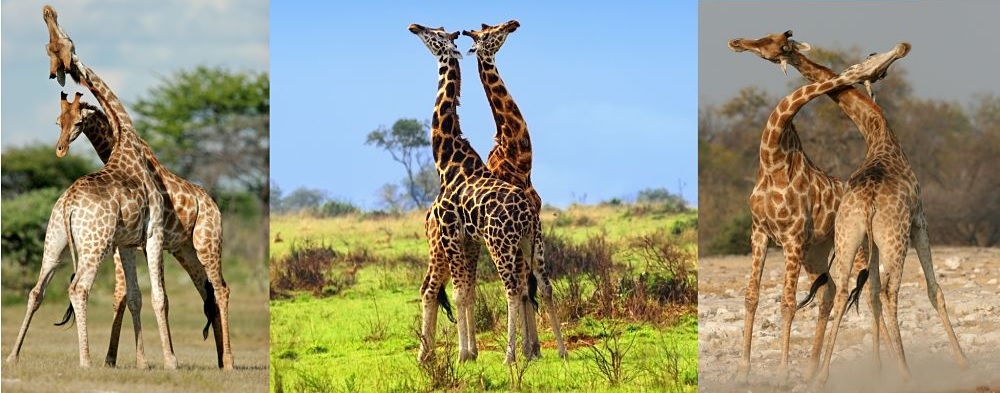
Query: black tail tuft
x,y
533,291
69,310
852,300
211,308
445,304
820,281
66,317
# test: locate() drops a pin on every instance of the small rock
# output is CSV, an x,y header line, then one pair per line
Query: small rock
x,y
992,281
953,262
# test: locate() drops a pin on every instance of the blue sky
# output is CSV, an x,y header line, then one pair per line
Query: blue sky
x,y
131,45
609,92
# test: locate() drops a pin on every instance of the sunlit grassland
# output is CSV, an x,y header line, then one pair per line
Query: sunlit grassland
x,y
364,337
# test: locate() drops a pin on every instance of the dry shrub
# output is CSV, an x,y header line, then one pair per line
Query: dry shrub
x,y
313,267
670,274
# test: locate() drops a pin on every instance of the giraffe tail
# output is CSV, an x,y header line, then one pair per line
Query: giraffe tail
x,y
69,310
852,300
442,298
67,222
211,308
820,281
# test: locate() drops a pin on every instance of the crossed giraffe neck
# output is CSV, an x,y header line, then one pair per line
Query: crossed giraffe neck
x,y
97,127
510,159
863,111
771,155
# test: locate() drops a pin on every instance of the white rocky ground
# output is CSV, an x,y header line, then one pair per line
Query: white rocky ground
x,y
970,278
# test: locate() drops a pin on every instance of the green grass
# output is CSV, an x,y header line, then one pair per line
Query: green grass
x,y
363,339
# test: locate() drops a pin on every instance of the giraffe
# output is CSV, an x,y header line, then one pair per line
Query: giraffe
x,y
474,207
122,204
193,233
793,203
510,159
866,114
883,203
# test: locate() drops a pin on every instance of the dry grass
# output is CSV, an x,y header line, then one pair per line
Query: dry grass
x,y
49,360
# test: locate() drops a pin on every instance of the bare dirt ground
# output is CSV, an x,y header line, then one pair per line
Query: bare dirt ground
x,y
970,278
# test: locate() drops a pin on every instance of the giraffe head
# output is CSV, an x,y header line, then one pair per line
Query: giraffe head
x,y
877,65
69,121
440,42
60,48
775,47
489,39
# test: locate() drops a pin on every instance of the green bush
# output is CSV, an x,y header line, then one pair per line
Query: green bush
x,y
25,219
734,238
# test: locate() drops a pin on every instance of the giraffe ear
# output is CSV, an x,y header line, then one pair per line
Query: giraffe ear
x,y
788,33
802,46
485,26
85,112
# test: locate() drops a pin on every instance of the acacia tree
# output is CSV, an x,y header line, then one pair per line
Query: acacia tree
x,y
407,143
211,126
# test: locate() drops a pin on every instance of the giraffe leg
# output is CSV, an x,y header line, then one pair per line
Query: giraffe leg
x,y
161,307
891,238
515,284
207,242
545,287
758,245
454,249
530,346
118,311
438,274
55,243
862,263
471,258
851,227
794,251
433,284
918,233
514,304
816,264
203,264
79,291
875,292
133,298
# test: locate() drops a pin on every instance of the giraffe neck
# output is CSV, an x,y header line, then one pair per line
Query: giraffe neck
x,y
98,130
862,110
127,148
510,158
453,155
779,137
